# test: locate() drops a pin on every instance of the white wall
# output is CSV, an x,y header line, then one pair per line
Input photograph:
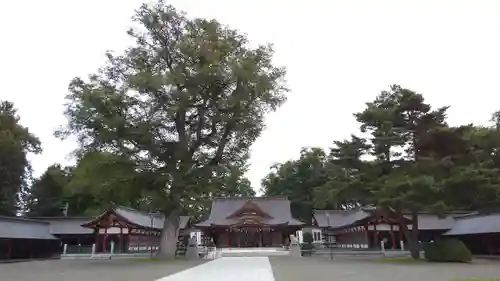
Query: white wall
x,y
318,235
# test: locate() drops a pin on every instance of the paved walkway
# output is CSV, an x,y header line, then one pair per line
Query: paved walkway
x,y
227,269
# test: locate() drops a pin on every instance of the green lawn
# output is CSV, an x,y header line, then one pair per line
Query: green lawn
x,y
399,260
147,259
475,279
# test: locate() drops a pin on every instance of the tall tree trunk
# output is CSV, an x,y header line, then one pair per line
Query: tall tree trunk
x,y
169,237
412,236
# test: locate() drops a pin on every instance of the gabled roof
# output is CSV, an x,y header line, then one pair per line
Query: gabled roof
x,y
476,224
21,228
249,205
277,209
339,218
67,225
343,218
435,222
137,218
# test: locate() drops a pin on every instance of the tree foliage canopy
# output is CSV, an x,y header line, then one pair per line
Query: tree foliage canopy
x,y
15,143
407,158
184,103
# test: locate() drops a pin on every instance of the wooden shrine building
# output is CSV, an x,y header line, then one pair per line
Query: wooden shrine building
x,y
360,228
479,232
22,238
368,227
69,230
130,229
250,222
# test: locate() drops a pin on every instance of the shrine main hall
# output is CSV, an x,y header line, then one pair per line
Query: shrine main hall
x,y
250,222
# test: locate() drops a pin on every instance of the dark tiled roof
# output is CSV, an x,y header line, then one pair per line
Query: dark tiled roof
x,y
339,218
67,225
476,224
342,218
21,228
278,208
434,222
143,219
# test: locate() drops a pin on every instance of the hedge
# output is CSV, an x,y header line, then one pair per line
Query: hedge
x,y
447,250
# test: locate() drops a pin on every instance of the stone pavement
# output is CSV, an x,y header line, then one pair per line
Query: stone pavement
x,y
227,269
245,269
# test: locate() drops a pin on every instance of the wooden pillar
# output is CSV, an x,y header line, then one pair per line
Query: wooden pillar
x,y
121,239
367,233
261,237
9,251
400,234
104,240
375,235
150,237
30,248
229,231
138,241
97,230
393,240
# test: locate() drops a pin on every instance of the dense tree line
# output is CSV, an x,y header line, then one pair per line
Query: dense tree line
x,y
406,158
16,142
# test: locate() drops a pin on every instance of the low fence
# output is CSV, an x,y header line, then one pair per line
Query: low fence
x,y
86,250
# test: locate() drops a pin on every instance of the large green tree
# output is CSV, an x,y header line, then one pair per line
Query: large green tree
x,y
16,142
297,180
406,159
188,98
45,197
101,178
398,122
347,174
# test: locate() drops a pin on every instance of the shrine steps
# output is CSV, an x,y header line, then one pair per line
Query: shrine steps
x,y
252,252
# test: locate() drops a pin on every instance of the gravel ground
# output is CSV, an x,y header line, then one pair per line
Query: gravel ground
x,y
92,270
322,269
284,268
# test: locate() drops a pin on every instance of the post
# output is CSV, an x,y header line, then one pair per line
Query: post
x,y
151,237
9,251
402,245
65,249
93,249
401,237
375,234
112,244
329,240
367,233
121,240
104,244
393,240
97,239
382,246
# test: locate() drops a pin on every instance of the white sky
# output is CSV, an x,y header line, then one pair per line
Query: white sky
x,y
339,54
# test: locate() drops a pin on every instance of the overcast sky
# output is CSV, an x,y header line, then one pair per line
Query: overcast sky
x,y
339,55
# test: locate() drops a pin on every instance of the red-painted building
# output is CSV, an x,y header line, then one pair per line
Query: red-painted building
x,y
22,238
131,230
250,222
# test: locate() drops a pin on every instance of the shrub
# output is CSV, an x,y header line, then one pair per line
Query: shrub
x,y
307,237
307,247
447,250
